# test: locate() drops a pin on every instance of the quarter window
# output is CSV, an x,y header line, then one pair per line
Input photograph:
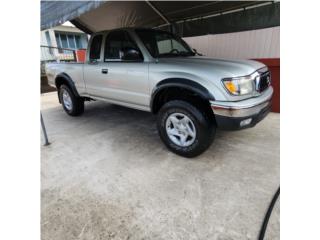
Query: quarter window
x,y
95,47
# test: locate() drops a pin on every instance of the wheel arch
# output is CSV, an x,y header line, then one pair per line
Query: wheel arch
x,y
63,78
177,83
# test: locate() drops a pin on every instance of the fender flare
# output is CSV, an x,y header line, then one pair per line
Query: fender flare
x,y
182,83
69,81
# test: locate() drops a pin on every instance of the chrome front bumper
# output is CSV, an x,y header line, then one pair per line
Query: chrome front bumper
x,y
230,114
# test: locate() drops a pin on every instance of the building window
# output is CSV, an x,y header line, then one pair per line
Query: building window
x,y
78,41
64,41
69,40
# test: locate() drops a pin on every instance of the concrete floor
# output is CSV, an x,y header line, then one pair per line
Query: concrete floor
x,y
107,175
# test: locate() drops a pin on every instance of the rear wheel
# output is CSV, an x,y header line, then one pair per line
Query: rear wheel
x,y
73,105
185,129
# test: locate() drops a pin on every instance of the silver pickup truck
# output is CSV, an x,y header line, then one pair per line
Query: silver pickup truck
x,y
158,72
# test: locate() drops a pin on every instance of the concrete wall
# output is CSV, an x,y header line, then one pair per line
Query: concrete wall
x,y
262,43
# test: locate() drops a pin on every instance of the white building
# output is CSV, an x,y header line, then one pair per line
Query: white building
x,y
55,42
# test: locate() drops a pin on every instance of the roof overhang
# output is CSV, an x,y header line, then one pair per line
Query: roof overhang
x,y
184,16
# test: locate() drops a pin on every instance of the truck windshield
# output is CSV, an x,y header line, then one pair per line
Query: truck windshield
x,y
163,44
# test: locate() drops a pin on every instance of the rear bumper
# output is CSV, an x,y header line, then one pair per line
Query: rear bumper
x,y
242,114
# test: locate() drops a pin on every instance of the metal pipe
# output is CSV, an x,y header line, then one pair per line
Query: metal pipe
x,y
158,12
46,143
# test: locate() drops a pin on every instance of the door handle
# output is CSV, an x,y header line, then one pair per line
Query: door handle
x,y
104,71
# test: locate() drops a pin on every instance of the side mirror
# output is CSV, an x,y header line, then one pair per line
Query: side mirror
x,y
131,54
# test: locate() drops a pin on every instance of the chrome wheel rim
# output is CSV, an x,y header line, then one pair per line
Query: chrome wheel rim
x,y
67,102
180,129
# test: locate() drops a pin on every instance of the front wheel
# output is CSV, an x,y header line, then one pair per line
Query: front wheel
x,y
73,105
185,129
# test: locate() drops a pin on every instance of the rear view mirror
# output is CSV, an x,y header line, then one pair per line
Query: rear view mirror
x,y
131,54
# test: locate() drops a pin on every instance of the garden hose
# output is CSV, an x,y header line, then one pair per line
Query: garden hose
x,y
268,214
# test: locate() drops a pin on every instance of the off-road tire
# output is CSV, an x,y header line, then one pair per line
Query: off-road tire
x,y
204,125
77,102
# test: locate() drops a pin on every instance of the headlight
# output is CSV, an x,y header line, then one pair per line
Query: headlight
x,y
240,85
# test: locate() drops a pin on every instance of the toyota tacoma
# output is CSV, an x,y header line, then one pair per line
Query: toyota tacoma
x,y
156,71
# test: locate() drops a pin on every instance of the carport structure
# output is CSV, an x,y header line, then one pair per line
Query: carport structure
x,y
176,179
186,18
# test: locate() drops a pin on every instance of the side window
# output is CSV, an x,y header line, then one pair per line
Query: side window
x,y
95,48
116,43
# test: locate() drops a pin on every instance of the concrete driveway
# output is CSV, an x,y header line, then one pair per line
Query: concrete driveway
x,y
107,175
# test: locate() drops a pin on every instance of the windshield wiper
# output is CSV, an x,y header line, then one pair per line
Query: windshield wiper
x,y
186,54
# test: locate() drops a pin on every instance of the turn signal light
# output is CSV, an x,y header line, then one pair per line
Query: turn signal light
x,y
231,87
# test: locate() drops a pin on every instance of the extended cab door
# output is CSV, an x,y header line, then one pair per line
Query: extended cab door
x,y
92,67
121,80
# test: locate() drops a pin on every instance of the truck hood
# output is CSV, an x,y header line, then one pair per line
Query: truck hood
x,y
226,67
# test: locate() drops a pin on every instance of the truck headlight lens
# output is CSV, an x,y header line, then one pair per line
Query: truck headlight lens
x,y
240,86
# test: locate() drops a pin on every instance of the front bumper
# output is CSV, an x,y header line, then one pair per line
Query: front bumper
x,y
242,114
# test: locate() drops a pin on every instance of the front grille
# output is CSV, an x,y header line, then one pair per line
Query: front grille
x,y
264,81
